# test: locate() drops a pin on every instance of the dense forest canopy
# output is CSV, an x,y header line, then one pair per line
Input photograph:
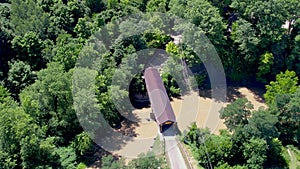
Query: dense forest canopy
x,y
40,41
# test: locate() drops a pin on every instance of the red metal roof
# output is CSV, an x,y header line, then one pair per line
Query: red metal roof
x,y
159,99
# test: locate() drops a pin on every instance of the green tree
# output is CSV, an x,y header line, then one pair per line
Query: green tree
x,y
148,160
66,51
36,150
202,14
49,101
227,166
286,83
288,117
95,6
112,4
195,134
295,53
22,142
157,6
274,154
4,95
262,125
78,9
26,16
6,37
59,23
255,153
82,143
67,157
83,28
109,162
244,38
19,76
28,48
6,161
264,69
214,150
236,113
267,18
9,123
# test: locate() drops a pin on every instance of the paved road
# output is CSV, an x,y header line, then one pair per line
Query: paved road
x,y
171,147
174,154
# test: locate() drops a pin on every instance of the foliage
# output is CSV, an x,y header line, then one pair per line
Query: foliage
x,y
202,14
287,109
20,75
49,102
266,61
41,41
108,162
4,95
81,143
28,48
67,157
81,166
276,154
286,83
146,161
255,153
252,143
26,17
262,125
67,51
157,6
236,113
246,42
170,85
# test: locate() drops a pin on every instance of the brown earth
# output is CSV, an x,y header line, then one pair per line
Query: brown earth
x,y
189,108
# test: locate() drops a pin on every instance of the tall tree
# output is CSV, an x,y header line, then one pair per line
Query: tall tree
x,y
20,75
288,108
202,14
27,16
286,83
255,153
21,140
6,37
236,113
262,125
157,6
66,51
28,48
267,17
244,37
59,23
49,102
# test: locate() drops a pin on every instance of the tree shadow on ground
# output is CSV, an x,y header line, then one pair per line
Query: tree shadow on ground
x,y
258,93
232,94
93,157
127,128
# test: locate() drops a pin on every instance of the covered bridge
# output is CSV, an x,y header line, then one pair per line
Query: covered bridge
x,y
160,103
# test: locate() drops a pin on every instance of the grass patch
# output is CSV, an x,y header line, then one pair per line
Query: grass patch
x,y
296,151
81,166
286,156
294,157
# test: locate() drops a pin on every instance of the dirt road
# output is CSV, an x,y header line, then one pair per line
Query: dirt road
x,y
203,110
